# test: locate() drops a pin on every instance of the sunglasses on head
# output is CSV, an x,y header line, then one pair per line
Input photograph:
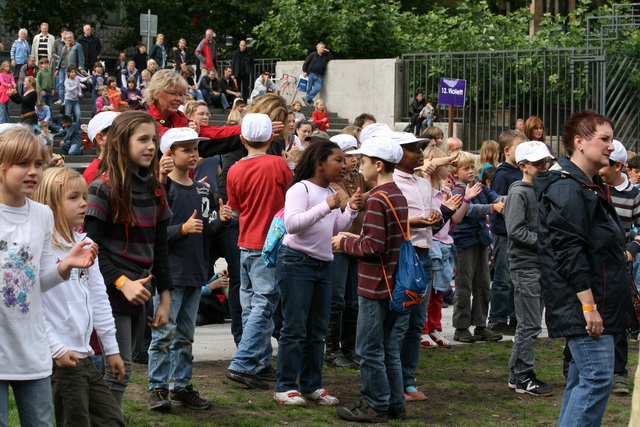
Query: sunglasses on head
x,y
542,163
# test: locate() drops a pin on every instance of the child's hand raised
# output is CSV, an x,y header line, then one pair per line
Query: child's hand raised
x,y
135,292
356,200
473,190
81,255
333,201
193,224
68,360
453,202
225,211
166,164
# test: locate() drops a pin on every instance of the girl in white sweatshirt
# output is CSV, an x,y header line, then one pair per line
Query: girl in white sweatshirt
x,y
73,310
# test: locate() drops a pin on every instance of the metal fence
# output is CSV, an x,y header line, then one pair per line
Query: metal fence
x,y
259,65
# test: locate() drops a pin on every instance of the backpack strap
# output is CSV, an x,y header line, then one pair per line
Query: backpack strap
x,y
407,235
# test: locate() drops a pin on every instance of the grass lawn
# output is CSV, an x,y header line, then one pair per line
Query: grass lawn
x,y
466,385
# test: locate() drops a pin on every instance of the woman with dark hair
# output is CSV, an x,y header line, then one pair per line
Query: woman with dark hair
x,y
416,106
584,280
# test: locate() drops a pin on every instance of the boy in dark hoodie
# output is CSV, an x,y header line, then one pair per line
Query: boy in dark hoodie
x,y
507,173
521,221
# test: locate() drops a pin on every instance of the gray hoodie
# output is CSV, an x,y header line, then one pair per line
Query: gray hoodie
x,y
521,220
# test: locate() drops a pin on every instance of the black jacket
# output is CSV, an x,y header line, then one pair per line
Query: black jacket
x,y
242,62
582,246
91,47
311,59
177,58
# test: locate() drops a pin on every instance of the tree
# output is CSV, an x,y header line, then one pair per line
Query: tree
x,y
66,13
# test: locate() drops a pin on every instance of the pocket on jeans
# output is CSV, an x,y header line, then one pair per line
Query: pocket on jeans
x,y
290,257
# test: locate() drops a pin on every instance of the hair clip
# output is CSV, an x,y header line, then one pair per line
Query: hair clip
x,y
58,181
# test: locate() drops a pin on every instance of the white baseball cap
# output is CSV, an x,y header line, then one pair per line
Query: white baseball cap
x,y
381,147
374,129
6,126
619,153
345,141
177,136
406,138
257,127
532,151
100,122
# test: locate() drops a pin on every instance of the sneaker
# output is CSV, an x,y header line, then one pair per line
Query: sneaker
x,y
159,400
361,411
620,384
533,386
502,328
511,382
58,102
411,393
486,334
306,102
633,336
463,335
322,398
190,398
397,413
141,358
427,342
290,398
267,374
251,381
439,339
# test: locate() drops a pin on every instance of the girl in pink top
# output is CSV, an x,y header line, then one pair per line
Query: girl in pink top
x,y
7,82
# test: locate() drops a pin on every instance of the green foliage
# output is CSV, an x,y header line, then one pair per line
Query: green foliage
x,y
72,14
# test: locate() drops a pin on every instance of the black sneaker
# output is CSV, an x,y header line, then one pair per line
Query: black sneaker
x,y
486,334
533,386
511,383
502,328
141,358
159,400
399,413
190,398
251,381
267,374
620,384
463,335
361,411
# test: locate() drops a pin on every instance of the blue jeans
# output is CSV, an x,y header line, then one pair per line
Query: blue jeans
x,y
72,149
259,297
589,381
377,345
305,283
197,95
47,98
33,399
313,87
409,330
72,107
54,123
4,112
502,307
170,353
62,74
94,96
344,280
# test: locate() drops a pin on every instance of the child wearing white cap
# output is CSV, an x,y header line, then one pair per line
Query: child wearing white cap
x,y
379,243
521,221
256,187
97,131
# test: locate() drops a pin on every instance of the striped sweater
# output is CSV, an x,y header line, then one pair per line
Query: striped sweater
x,y
625,198
136,250
379,242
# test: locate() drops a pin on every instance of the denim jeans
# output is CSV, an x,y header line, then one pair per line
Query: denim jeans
x,y
47,98
305,284
344,281
313,87
377,345
212,99
126,326
259,297
529,306
502,307
62,74
33,399
72,149
636,270
170,354
589,381
94,96
197,95
72,107
409,330
4,112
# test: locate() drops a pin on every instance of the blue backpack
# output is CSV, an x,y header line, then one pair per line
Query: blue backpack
x,y
410,279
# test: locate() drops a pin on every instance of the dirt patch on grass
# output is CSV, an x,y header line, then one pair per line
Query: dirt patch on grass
x,y
466,385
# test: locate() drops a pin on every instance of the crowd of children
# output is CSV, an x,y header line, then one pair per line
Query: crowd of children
x,y
347,204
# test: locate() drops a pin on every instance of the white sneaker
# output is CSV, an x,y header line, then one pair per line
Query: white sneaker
x,y
58,102
290,398
439,339
427,342
322,398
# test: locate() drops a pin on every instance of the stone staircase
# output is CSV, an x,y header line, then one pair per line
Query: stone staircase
x,y
218,118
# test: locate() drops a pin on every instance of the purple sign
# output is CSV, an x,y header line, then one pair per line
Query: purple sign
x,y
452,92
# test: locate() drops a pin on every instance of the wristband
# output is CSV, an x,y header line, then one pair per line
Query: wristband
x,y
183,230
120,280
466,201
586,308
493,209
